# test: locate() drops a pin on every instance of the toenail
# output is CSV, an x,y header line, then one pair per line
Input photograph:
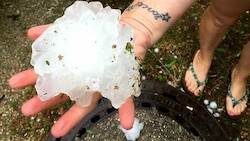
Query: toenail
x,y
230,113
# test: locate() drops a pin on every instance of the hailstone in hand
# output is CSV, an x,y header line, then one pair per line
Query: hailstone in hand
x,y
87,51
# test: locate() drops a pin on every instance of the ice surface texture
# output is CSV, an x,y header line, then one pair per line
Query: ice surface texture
x,y
133,133
87,51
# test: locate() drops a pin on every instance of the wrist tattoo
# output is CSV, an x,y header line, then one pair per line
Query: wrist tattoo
x,y
156,14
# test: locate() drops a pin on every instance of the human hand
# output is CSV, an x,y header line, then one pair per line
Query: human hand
x,y
74,115
147,30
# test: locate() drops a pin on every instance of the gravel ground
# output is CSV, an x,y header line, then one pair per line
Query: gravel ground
x,y
16,17
155,129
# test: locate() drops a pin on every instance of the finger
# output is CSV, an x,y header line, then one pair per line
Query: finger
x,y
35,32
23,79
73,116
126,113
36,105
140,51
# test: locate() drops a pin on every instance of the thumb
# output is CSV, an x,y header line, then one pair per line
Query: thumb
x,y
142,42
35,32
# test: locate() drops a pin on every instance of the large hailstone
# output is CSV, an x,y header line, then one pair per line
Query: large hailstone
x,y
85,51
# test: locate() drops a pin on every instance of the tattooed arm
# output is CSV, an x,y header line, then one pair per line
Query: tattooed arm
x,y
151,18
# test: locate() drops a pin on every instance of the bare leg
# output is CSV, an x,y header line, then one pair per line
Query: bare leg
x,y
239,83
213,26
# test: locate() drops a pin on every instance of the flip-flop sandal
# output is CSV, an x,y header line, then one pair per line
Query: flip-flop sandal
x,y
235,102
199,83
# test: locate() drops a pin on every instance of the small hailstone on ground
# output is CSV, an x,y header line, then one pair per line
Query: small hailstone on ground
x,y
133,133
182,90
156,50
175,56
86,51
170,83
206,102
38,120
220,109
32,118
210,110
213,105
143,77
216,115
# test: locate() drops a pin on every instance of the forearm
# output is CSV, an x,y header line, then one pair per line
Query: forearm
x,y
154,17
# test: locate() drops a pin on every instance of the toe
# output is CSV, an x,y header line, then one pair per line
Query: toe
x,y
235,110
229,106
198,90
241,108
193,89
190,82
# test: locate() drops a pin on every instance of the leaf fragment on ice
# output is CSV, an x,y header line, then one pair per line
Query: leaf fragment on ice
x,y
47,62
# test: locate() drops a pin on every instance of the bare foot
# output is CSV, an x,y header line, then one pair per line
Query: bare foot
x,y
201,68
238,91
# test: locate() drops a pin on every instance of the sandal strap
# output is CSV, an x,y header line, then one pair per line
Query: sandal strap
x,y
234,101
199,83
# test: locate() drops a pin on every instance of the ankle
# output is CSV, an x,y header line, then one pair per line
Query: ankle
x,y
203,60
238,75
